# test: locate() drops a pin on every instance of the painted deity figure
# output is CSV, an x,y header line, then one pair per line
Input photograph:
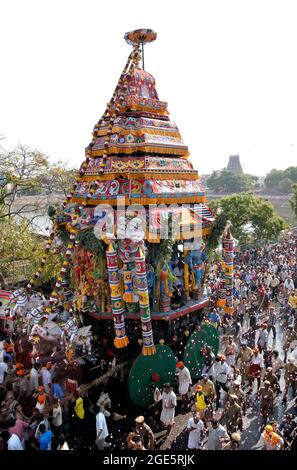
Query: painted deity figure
x,y
20,298
70,329
150,273
167,279
195,261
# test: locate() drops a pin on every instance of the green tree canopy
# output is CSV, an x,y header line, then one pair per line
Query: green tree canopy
x,y
21,251
27,172
28,180
226,181
285,186
281,180
293,200
253,218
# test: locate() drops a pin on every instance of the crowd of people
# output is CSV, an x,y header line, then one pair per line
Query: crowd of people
x,y
44,407
41,404
255,373
256,369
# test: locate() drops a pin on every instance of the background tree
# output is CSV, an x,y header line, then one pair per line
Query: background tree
x,y
281,181
28,184
22,168
273,178
31,182
21,251
228,182
291,172
59,179
285,186
253,218
293,200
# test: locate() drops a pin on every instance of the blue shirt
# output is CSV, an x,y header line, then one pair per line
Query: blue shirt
x,y
58,391
45,441
214,317
8,356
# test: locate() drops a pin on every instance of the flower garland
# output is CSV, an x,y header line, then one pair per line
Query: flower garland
x,y
43,260
132,61
228,255
121,340
63,270
83,167
148,348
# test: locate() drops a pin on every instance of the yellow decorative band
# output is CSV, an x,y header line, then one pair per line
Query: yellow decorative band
x,y
121,342
148,109
187,175
144,200
141,148
148,350
141,131
156,238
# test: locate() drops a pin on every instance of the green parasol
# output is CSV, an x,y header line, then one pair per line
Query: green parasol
x,y
210,334
193,359
162,364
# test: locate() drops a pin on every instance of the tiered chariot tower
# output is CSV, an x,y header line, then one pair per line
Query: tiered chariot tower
x,y
136,219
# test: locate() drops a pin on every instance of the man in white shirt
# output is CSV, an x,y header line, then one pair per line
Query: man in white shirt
x,y
57,420
289,285
270,440
237,283
1,351
101,430
270,264
267,280
222,373
14,443
216,436
62,444
47,377
277,364
168,408
3,370
184,381
274,283
256,367
263,338
33,379
195,427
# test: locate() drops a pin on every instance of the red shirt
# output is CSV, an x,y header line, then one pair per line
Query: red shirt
x,y
18,428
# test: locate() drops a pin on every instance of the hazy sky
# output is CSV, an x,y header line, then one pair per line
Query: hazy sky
x,y
226,67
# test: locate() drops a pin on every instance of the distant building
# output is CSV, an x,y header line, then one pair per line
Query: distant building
x,y
234,164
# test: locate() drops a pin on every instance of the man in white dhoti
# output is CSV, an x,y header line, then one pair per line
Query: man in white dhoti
x,y
184,382
168,408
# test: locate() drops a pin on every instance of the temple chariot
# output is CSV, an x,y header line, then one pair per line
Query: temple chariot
x,y
137,230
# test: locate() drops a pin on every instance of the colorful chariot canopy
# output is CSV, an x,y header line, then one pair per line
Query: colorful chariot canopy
x,y
137,153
